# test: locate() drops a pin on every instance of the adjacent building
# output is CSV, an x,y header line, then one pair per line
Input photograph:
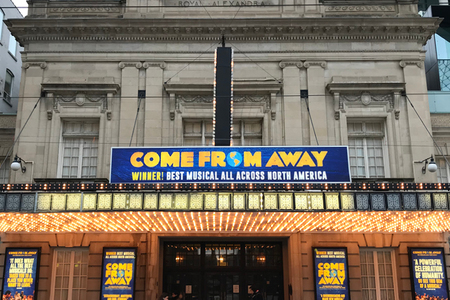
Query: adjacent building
x,y
305,73
10,71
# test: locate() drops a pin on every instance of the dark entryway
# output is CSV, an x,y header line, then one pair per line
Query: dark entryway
x,y
223,271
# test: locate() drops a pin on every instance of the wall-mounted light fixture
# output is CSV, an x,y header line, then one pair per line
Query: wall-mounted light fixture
x,y
18,164
429,164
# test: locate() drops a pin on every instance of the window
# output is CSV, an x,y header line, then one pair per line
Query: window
x,y
378,275
366,149
12,45
442,171
4,171
79,149
70,269
197,133
9,80
200,133
247,133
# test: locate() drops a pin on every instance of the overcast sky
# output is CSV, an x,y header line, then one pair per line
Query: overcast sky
x,y
22,5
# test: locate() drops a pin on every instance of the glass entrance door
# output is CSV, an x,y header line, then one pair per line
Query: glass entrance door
x,y
222,286
223,270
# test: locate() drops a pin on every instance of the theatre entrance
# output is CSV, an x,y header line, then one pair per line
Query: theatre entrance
x,y
223,271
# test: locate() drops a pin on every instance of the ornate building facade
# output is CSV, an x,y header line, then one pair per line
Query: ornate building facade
x,y
140,73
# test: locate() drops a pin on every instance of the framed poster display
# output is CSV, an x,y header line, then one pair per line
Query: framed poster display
x,y
331,273
428,275
118,273
21,273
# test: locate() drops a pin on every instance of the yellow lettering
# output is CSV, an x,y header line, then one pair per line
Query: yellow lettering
x,y
319,157
217,158
170,160
290,159
274,160
135,176
203,157
187,159
306,160
151,159
134,161
252,160
159,176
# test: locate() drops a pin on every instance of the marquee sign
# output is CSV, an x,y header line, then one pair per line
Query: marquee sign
x,y
230,165
331,273
428,275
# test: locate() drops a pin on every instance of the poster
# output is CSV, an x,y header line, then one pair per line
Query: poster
x,y
21,273
331,273
428,274
118,273
307,164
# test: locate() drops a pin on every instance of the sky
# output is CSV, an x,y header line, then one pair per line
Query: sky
x,y
22,5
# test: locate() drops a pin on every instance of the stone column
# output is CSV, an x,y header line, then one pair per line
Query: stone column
x,y
28,146
421,143
317,102
128,102
153,124
292,114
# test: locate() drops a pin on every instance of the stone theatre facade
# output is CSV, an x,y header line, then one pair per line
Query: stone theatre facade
x,y
306,73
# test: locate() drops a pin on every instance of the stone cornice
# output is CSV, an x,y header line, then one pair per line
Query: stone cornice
x,y
280,29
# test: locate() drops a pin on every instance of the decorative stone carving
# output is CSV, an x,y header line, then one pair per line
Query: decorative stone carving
x,y
405,63
361,8
366,98
42,65
284,64
308,64
80,99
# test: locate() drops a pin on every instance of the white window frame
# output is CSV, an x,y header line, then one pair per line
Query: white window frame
x,y
71,270
365,137
7,95
4,172
12,43
442,167
241,131
376,272
80,152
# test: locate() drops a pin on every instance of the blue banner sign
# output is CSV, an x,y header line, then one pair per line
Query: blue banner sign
x,y
429,278
230,165
20,275
331,273
119,271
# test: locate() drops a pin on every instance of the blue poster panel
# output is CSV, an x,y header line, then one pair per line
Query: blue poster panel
x,y
118,275
20,273
331,273
428,274
230,165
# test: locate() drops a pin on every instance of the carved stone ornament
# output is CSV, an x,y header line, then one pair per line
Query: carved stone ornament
x,y
366,99
405,63
308,64
140,65
81,99
284,64
42,65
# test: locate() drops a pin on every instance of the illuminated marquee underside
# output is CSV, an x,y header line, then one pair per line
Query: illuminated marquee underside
x,y
236,222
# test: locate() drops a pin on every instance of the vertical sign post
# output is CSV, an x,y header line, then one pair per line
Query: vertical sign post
x,y
118,273
21,273
428,276
223,97
331,273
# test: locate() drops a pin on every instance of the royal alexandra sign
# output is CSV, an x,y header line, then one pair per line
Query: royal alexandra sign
x,y
230,165
220,3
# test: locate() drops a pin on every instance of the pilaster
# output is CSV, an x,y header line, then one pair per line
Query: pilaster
x,y
153,124
31,150
128,102
292,116
420,140
317,101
